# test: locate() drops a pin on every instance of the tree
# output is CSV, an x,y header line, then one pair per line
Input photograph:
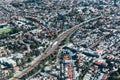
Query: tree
x,y
33,46
115,2
115,75
29,59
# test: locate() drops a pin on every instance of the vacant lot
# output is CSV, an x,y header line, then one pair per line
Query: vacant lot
x,y
5,30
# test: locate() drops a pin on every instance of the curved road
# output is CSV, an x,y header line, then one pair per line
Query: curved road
x,y
50,50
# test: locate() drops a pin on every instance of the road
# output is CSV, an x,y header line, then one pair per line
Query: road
x,y
50,50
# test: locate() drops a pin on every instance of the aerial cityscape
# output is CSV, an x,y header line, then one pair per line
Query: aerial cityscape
x,y
59,39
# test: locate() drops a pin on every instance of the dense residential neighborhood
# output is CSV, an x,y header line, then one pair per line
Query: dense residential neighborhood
x,y
59,40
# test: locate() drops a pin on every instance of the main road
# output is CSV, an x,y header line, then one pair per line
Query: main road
x,y
50,50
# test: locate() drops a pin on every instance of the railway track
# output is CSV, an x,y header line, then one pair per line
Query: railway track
x,y
50,50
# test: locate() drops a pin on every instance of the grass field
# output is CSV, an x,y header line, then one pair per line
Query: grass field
x,y
5,30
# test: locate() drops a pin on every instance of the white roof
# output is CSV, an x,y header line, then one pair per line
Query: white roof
x,y
8,60
67,79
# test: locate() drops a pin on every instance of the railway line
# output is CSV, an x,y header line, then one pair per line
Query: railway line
x,y
50,50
